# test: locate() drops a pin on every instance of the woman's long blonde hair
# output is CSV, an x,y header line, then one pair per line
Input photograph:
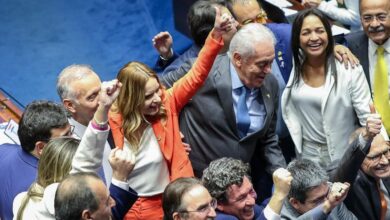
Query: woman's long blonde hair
x,y
54,165
131,99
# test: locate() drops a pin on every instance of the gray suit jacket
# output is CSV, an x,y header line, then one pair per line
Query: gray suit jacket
x,y
208,121
340,212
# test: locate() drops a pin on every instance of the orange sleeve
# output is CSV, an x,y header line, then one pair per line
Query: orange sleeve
x,y
115,120
188,85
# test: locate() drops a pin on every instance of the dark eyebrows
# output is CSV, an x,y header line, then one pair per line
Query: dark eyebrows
x,y
203,206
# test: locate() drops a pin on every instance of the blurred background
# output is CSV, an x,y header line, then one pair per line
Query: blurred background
x,y
39,38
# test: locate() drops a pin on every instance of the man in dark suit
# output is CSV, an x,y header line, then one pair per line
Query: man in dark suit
x,y
371,183
375,19
41,121
212,121
365,165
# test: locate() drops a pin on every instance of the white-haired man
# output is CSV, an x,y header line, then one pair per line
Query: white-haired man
x,y
78,87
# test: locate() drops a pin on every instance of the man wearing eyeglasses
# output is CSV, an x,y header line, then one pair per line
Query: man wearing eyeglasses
x,y
369,194
372,47
312,196
228,181
187,198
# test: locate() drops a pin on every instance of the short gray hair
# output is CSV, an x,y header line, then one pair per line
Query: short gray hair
x,y
245,40
67,76
223,173
306,175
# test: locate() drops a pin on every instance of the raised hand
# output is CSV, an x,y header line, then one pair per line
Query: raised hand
x,y
163,43
223,23
373,124
338,192
282,180
109,92
122,162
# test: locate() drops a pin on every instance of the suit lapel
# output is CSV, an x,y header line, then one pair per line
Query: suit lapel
x,y
268,104
158,129
363,50
359,45
223,85
329,83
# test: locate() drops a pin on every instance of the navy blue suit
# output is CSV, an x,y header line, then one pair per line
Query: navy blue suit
x,y
18,170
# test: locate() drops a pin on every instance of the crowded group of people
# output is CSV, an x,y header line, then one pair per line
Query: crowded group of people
x,y
257,120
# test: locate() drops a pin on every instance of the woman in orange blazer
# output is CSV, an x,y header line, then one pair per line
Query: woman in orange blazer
x,y
144,118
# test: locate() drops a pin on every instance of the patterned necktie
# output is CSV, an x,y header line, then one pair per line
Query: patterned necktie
x,y
383,202
381,89
243,119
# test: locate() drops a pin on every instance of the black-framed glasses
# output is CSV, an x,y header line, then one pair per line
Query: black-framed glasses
x,y
378,156
203,209
382,17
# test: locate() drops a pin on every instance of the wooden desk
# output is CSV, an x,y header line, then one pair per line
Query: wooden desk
x,y
8,109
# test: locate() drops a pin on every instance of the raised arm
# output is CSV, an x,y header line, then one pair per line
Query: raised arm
x,y
162,42
187,86
282,181
351,161
89,155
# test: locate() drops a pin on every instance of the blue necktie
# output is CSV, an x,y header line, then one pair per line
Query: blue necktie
x,y
243,119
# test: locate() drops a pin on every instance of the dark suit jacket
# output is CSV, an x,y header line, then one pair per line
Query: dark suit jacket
x,y
363,197
124,199
358,43
208,121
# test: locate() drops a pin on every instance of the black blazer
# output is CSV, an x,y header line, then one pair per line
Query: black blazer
x,y
358,44
363,197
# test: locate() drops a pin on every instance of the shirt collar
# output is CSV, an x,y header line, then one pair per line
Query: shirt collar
x,y
79,129
236,82
372,46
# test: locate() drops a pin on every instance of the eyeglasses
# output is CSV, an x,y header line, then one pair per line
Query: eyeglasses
x,y
260,18
380,17
321,199
204,209
377,157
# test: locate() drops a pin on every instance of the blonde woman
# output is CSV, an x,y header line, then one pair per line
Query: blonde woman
x,y
54,164
144,119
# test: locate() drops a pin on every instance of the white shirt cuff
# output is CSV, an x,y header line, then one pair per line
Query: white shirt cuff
x,y
120,184
269,214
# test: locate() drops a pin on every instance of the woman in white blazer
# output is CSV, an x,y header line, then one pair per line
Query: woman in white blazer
x,y
324,102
